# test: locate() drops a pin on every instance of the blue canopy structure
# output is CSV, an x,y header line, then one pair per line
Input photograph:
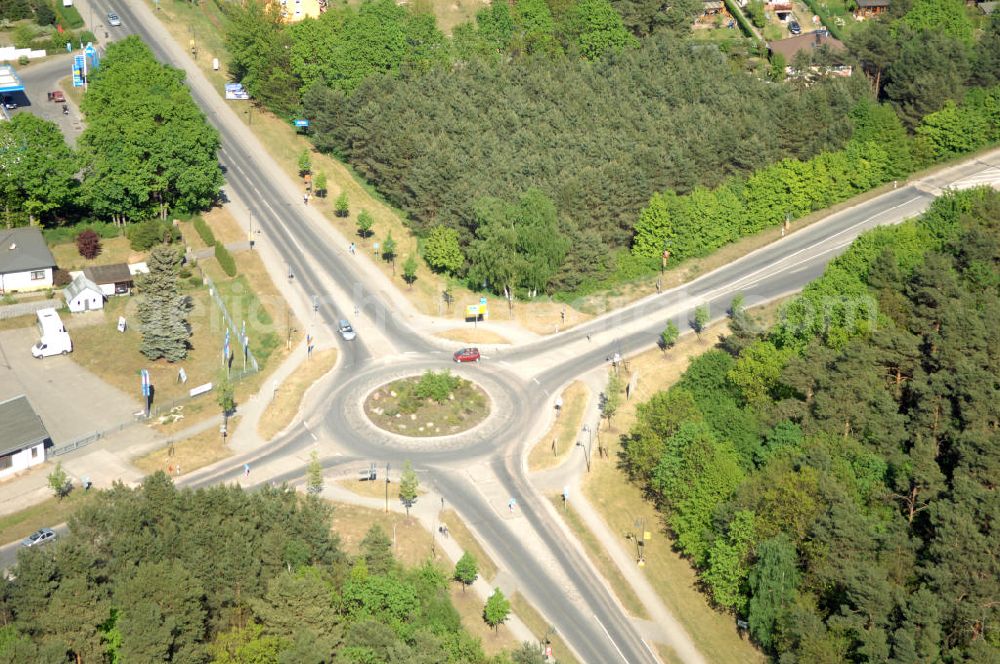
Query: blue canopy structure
x,y
9,80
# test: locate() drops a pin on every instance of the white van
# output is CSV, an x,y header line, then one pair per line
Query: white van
x,y
53,337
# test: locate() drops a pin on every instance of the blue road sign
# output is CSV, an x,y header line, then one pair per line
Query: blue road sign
x,y
78,65
302,123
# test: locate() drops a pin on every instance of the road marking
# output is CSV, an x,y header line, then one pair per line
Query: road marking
x,y
709,295
306,427
608,634
649,649
535,380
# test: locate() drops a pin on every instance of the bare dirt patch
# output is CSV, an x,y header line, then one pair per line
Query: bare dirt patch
x,y
285,403
551,449
404,407
473,336
190,454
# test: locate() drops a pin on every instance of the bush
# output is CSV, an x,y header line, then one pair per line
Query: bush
x,y
195,281
436,385
60,277
88,243
147,234
226,260
204,231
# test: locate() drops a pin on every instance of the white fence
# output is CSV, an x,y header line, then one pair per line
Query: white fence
x,y
12,53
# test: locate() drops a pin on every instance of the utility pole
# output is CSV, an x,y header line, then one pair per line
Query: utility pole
x,y
386,487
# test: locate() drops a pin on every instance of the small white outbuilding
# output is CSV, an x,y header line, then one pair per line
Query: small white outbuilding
x,y
83,295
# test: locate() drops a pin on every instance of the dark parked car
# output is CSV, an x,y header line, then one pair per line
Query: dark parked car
x,y
467,355
39,537
794,28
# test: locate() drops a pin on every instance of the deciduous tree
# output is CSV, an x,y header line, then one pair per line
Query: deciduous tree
x,y
496,610
466,570
442,250
37,168
408,486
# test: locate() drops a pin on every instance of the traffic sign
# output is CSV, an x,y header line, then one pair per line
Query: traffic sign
x,y
302,123
78,64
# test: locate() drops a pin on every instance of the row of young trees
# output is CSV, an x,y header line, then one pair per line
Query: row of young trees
x,y
221,575
146,149
834,479
879,151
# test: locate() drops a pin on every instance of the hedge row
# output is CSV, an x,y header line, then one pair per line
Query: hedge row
x,y
226,260
62,234
68,17
204,231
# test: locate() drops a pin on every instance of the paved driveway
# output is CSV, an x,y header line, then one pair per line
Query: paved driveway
x,y
71,401
39,79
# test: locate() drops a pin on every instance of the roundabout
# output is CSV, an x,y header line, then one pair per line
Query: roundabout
x,y
428,405
505,397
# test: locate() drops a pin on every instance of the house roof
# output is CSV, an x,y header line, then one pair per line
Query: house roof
x,y
78,285
868,4
988,7
115,273
23,249
790,47
20,426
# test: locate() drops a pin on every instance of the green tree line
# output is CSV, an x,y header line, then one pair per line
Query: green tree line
x,y
833,480
221,575
879,151
146,150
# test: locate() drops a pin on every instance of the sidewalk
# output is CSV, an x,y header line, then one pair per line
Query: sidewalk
x,y
662,627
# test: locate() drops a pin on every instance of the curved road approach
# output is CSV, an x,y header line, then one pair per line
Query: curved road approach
x,y
550,570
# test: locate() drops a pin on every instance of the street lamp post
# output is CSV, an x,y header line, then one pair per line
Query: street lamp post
x,y
387,490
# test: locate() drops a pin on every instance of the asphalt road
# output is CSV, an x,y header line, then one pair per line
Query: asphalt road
x,y
523,380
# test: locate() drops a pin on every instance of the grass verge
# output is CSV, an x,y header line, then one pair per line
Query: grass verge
x,y
620,503
667,654
18,525
285,404
602,561
563,433
412,544
198,451
470,607
540,628
473,336
464,538
113,250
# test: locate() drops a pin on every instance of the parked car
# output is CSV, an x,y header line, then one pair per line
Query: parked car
x,y
113,20
8,103
794,28
467,355
346,330
39,537
57,96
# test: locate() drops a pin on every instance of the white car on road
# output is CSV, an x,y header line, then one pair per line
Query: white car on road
x,y
346,330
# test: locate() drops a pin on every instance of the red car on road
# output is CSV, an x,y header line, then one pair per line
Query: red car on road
x,y
467,355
